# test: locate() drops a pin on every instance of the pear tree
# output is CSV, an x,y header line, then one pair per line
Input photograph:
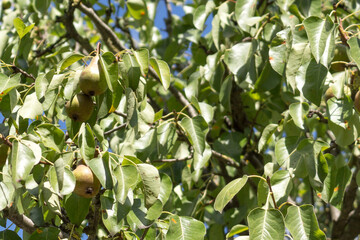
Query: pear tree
x,y
179,119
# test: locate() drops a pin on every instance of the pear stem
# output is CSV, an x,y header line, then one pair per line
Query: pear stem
x,y
98,48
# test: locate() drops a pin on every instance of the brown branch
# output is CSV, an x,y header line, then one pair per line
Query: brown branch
x,y
174,159
115,129
6,140
110,38
19,220
120,114
347,207
227,160
51,47
19,70
168,20
319,114
68,20
271,191
127,32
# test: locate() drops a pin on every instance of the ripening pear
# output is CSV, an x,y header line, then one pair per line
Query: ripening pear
x,y
80,107
340,54
87,185
357,101
4,152
329,93
92,81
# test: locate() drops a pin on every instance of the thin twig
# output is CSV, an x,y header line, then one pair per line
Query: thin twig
x,y
227,160
271,191
174,159
19,70
319,114
51,47
121,114
115,129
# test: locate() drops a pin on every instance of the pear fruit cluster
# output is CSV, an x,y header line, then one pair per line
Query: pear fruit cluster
x,y
87,185
92,83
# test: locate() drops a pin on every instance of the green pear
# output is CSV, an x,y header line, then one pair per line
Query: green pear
x,y
80,107
92,81
357,101
329,93
87,185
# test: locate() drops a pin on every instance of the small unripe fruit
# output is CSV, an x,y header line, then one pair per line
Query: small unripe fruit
x,y
80,107
357,101
87,185
92,81
329,94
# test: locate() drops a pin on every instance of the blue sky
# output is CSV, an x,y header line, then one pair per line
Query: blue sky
x,y
161,14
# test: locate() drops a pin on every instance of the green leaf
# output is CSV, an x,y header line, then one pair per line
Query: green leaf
x,y
284,149
314,82
298,112
201,13
113,212
21,28
302,223
266,224
268,79
281,183
24,155
126,178
151,182
185,228
86,142
322,41
338,177
162,70
244,12
8,83
8,234
76,208
229,192
196,129
142,57
238,58
7,191
69,60
266,135
31,108
41,5
42,84
354,44
200,160
102,170
216,31
279,50
235,230
165,188
225,93
137,8
45,233
110,69
133,71
132,113
51,136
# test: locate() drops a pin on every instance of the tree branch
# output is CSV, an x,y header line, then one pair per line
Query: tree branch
x,y
68,20
19,70
110,38
168,20
19,220
174,159
120,114
115,129
51,47
348,206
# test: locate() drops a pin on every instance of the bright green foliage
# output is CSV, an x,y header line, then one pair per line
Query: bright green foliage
x,y
211,122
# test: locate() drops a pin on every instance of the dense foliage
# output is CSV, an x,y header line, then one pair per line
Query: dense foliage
x,y
234,119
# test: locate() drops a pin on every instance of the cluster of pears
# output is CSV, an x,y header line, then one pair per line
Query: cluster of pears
x,y
92,83
87,185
